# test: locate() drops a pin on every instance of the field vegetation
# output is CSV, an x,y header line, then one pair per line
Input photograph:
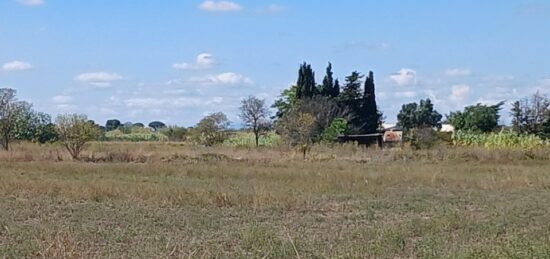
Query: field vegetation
x,y
177,201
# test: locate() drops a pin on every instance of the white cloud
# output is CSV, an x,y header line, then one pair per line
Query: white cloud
x,y
223,79
460,93
455,72
62,99
99,79
31,2
407,94
16,65
405,76
203,61
220,6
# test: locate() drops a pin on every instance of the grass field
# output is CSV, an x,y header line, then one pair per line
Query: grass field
x,y
175,201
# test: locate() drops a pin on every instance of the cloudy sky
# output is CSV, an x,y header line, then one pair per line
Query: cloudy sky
x,y
177,60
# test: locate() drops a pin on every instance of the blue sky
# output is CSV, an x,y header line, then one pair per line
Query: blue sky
x,y
177,60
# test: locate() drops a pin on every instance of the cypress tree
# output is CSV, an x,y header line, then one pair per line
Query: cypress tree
x,y
327,87
336,89
370,114
306,82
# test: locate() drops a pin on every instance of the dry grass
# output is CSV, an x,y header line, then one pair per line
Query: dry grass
x,y
174,201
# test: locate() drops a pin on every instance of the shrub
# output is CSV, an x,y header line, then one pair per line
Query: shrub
x,y
423,138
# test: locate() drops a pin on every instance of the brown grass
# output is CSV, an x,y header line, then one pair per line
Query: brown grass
x,y
177,201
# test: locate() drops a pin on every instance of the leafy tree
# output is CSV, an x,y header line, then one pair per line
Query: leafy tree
x,y
30,125
415,116
298,130
8,111
156,125
212,129
75,131
476,118
324,110
338,126
306,86
112,125
530,114
138,125
255,114
286,100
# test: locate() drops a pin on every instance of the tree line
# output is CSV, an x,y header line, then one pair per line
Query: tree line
x,y
305,113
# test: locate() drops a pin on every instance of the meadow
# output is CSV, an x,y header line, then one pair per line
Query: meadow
x,y
171,200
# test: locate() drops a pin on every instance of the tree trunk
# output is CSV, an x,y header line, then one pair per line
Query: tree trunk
x,y
257,137
6,143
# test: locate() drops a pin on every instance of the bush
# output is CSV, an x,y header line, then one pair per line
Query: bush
x,y
423,138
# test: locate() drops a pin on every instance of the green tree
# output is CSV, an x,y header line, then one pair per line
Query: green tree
x,y
415,116
112,125
306,87
338,126
30,125
255,114
476,118
211,130
75,131
286,101
529,114
8,111
157,125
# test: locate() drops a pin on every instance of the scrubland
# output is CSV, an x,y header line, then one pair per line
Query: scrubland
x,y
169,200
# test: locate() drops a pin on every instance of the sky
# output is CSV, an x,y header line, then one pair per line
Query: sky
x,y
179,60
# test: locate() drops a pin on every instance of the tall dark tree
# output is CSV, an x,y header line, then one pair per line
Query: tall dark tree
x,y
371,117
306,82
351,97
336,89
327,88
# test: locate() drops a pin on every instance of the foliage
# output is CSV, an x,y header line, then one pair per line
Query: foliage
x,y
338,126
370,119
423,138
503,139
324,110
297,128
75,131
476,118
245,139
306,87
255,114
156,125
174,133
136,135
286,100
8,106
330,87
529,115
417,116
211,130
111,125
